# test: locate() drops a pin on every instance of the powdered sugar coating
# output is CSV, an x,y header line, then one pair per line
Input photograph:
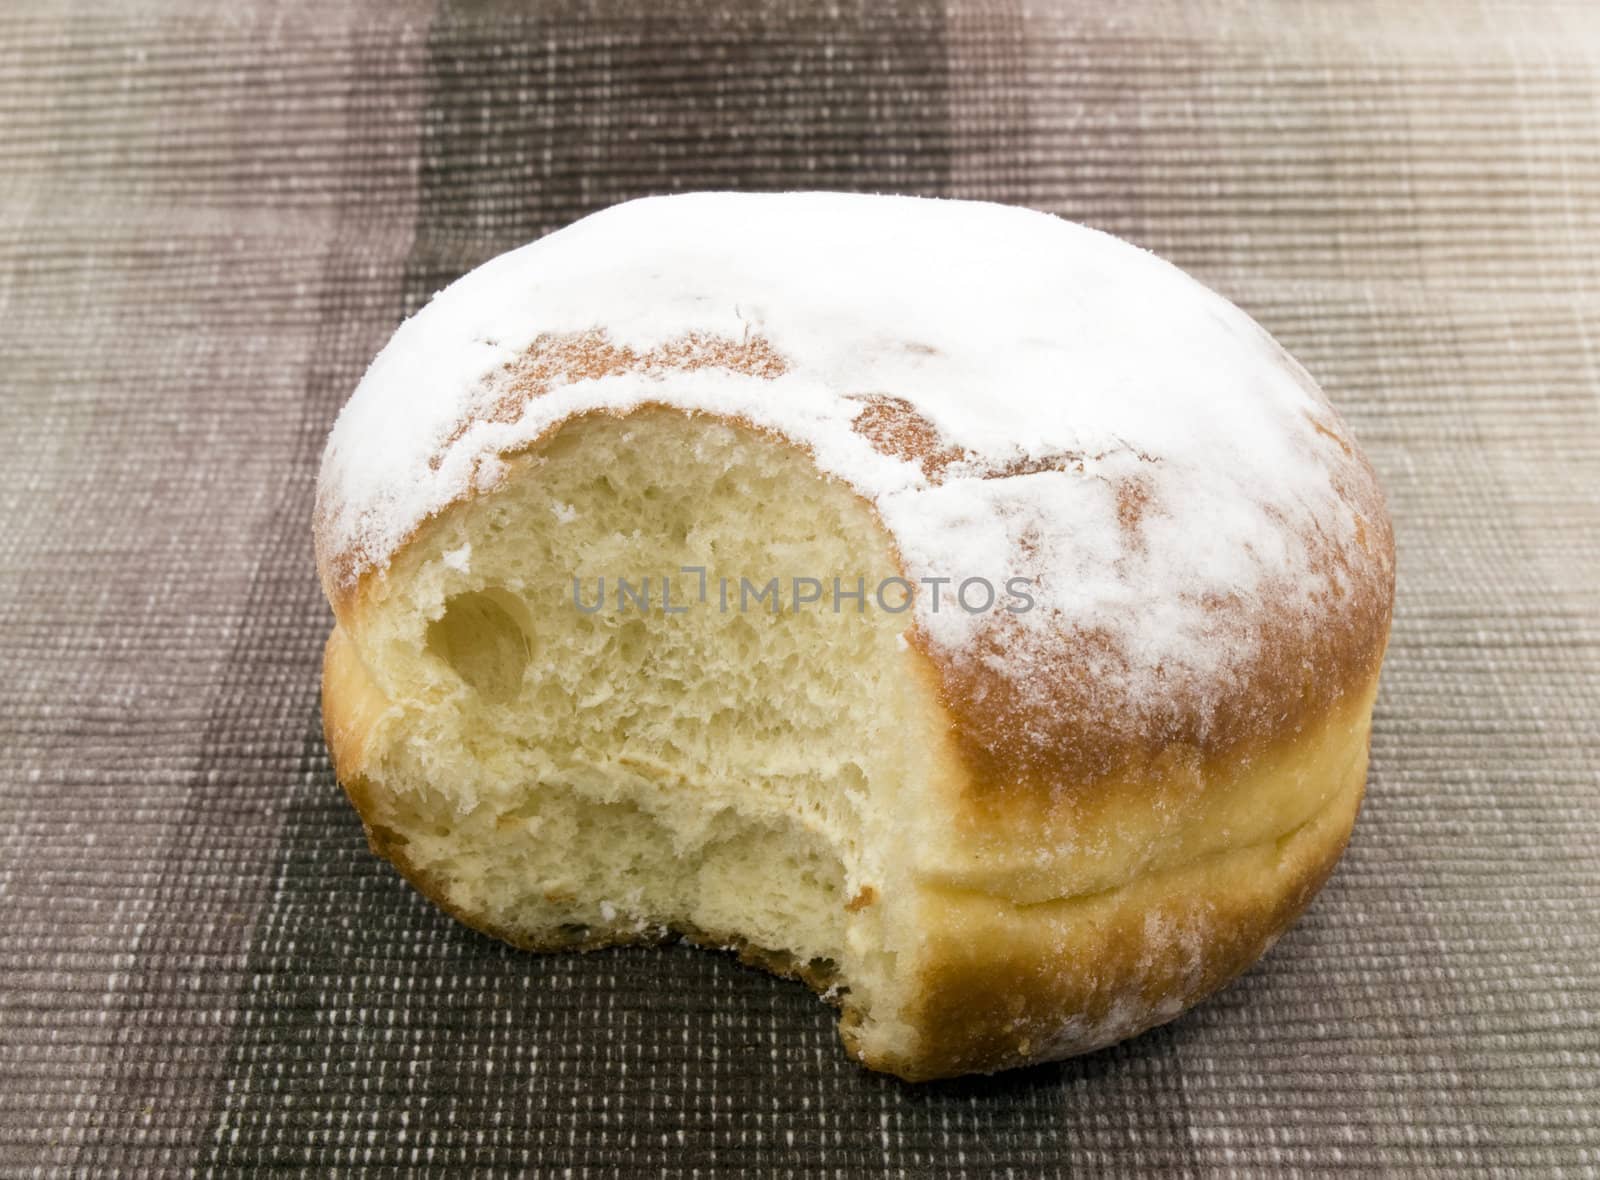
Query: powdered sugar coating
x,y
1016,394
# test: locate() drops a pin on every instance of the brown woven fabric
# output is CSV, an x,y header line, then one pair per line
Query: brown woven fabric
x,y
212,216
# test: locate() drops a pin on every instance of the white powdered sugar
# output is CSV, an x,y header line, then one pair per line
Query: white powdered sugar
x,y
1113,429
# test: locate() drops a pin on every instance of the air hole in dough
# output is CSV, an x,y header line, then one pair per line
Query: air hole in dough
x,y
484,636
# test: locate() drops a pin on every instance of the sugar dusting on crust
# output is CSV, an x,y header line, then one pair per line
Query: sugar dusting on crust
x,y
1017,396
552,361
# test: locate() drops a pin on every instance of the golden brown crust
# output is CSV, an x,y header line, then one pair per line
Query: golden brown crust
x,y
351,707
1158,809
1012,985
1022,744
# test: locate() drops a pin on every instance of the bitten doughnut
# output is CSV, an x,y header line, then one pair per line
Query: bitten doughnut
x,y
952,606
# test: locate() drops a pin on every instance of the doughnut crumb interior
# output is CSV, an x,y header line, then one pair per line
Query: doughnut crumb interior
x,y
991,837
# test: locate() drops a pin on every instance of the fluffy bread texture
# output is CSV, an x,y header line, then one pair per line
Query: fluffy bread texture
x,y
993,841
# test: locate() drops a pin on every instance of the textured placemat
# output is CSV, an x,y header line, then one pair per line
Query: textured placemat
x,y
212,216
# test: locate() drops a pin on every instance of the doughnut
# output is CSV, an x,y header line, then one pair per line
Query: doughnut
x,y
953,607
